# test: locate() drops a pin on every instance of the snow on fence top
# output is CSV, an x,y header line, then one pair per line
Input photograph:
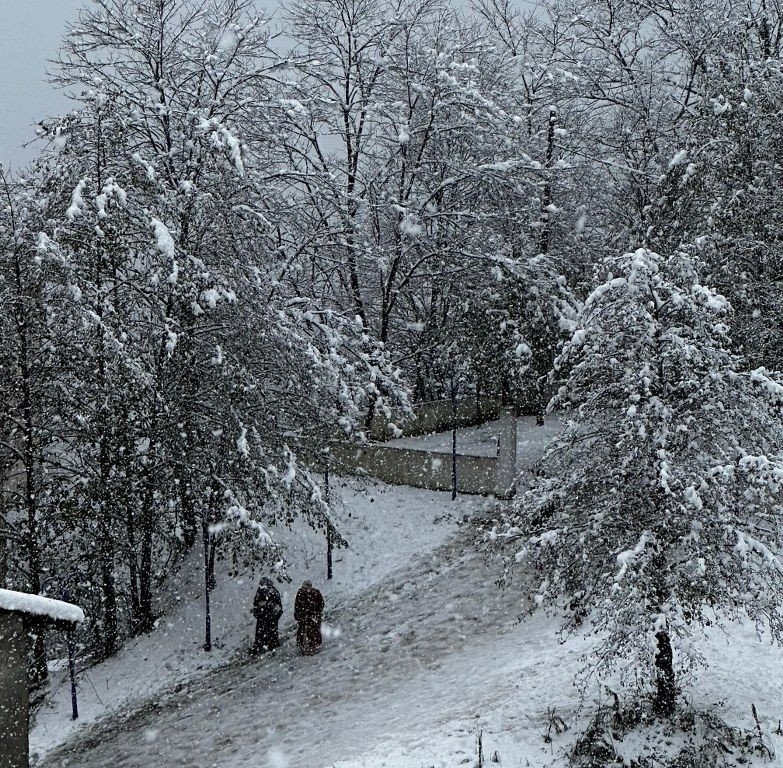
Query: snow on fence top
x,y
22,602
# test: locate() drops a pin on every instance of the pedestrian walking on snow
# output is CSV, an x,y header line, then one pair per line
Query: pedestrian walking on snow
x,y
308,612
267,608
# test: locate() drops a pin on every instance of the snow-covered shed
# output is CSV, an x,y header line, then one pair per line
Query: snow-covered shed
x,y
20,612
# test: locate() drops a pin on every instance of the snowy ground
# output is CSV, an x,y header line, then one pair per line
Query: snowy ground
x,y
422,651
482,440
385,525
414,666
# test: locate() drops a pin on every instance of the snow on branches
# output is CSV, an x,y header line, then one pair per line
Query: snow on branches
x,y
659,507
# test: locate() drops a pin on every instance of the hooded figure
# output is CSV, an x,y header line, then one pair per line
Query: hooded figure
x,y
308,611
267,608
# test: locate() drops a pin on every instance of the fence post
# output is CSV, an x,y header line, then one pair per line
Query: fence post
x,y
506,473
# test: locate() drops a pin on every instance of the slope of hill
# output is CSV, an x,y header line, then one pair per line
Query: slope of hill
x,y
423,651
385,526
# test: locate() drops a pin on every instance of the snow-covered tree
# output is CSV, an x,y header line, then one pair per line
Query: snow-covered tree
x,y
723,183
400,136
198,384
658,510
29,379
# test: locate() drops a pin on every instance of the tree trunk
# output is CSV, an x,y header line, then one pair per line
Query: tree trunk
x,y
107,552
211,580
189,525
186,500
146,619
133,566
39,669
109,590
665,687
545,232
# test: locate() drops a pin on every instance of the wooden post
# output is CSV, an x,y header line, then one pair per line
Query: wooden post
x,y
14,747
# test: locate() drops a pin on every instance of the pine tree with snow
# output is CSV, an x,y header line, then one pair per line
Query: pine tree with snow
x,y
658,510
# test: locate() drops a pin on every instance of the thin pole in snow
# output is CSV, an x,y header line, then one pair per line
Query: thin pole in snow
x,y
453,440
329,545
207,615
72,673
71,665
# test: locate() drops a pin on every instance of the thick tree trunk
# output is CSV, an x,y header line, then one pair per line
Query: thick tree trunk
x,y
39,668
189,523
545,233
665,686
211,580
107,556
146,618
187,502
133,566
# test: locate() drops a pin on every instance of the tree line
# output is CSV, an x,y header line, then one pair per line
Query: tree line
x,y
251,234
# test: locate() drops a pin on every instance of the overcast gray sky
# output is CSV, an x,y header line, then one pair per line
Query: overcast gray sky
x,y
30,33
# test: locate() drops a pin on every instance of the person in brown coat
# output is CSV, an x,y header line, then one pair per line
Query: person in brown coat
x,y
308,612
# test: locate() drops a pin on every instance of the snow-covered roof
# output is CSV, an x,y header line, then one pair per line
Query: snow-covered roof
x,y
23,602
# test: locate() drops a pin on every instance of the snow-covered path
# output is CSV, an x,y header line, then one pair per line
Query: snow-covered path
x,y
413,653
412,667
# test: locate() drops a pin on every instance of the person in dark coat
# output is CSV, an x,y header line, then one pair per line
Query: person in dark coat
x,y
267,608
308,612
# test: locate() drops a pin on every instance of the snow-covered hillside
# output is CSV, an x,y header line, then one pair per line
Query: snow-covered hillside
x,y
423,651
385,525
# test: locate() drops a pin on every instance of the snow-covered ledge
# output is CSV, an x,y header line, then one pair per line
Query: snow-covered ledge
x,y
41,607
18,612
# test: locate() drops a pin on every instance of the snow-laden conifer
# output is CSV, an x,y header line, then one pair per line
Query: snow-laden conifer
x,y
658,511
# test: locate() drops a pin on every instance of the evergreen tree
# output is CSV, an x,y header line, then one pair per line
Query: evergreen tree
x,y
659,508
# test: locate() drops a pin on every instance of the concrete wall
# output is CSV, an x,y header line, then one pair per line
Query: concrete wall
x,y
421,469
13,691
481,475
435,416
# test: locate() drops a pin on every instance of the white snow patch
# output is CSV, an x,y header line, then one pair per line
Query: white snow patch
x,y
76,207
